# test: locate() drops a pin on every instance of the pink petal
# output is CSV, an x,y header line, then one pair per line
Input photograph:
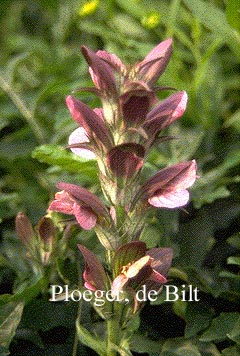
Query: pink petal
x,y
170,200
89,120
157,277
155,62
94,274
85,217
80,136
84,197
181,106
160,50
174,178
89,286
112,60
136,267
62,203
118,284
165,113
100,71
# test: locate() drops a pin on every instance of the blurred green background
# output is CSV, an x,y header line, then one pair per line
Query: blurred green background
x,y
41,63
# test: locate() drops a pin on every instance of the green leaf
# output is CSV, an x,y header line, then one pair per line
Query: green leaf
x,y
198,317
9,204
214,19
28,294
49,315
133,28
231,351
233,13
235,333
227,274
10,316
140,343
58,156
234,121
179,347
233,260
220,327
91,341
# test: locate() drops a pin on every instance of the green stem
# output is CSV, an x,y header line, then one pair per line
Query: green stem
x,y
75,342
79,311
25,111
114,326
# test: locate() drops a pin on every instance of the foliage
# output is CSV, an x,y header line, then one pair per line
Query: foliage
x,y
40,64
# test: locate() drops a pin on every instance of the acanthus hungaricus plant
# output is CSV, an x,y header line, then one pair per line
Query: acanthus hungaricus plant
x,y
119,136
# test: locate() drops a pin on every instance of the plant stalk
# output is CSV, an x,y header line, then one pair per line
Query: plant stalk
x,y
114,327
27,114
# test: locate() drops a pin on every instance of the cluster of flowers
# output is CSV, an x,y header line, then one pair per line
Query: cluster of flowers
x,y
119,136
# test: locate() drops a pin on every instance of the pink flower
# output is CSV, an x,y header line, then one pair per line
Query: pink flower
x,y
94,275
154,64
106,68
168,187
92,123
135,103
24,228
134,266
78,201
101,72
165,113
77,141
126,159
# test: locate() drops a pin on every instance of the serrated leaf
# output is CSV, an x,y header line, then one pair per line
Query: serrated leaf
x,y
220,327
67,161
11,314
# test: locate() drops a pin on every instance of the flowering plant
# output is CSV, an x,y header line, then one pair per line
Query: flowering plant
x,y
119,136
